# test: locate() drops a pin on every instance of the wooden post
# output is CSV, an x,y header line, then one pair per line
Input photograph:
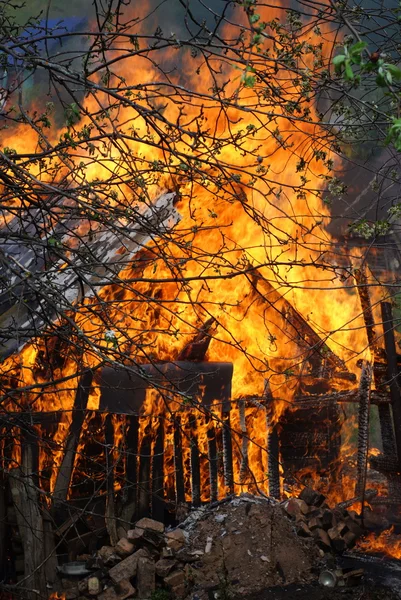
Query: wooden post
x,y
363,429
29,518
227,453
195,462
243,470
273,448
110,516
158,504
178,462
64,476
144,483
213,461
386,426
130,491
392,372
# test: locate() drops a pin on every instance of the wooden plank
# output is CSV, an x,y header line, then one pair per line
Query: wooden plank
x,y
110,514
363,429
195,462
178,462
30,522
130,491
158,504
213,460
64,476
144,483
392,372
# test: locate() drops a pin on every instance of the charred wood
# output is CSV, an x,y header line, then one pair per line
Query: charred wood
x,y
144,483
302,332
195,462
158,475
392,372
363,427
29,519
110,516
131,487
196,350
178,462
244,443
273,448
213,461
368,495
64,476
227,453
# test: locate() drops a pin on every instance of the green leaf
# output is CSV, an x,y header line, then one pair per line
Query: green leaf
x,y
249,81
395,71
357,48
349,73
338,60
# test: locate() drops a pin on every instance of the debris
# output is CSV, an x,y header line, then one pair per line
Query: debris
x,y
94,586
128,567
124,548
176,539
146,578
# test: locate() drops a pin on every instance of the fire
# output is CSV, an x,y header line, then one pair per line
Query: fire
x,y
387,542
230,248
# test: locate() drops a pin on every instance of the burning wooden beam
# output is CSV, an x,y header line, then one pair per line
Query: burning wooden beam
x,y
110,515
227,452
178,463
385,419
363,428
65,470
243,470
158,503
144,481
272,443
197,348
213,460
195,462
130,491
303,333
392,372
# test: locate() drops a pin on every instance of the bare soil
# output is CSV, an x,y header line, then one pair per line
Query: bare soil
x,y
245,546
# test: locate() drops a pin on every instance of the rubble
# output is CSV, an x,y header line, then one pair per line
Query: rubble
x,y
244,544
335,530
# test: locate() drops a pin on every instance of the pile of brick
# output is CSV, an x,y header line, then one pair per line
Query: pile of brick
x,y
240,545
334,530
139,562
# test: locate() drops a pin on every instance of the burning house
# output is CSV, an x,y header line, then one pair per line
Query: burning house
x,y
178,325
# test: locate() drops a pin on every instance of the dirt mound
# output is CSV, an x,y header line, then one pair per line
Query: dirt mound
x,y
244,546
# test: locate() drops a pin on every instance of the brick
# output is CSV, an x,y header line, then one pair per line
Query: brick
x,y
124,547
175,539
164,566
150,524
311,497
303,530
322,539
146,578
127,568
295,507
180,591
175,579
108,555
120,591
94,586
